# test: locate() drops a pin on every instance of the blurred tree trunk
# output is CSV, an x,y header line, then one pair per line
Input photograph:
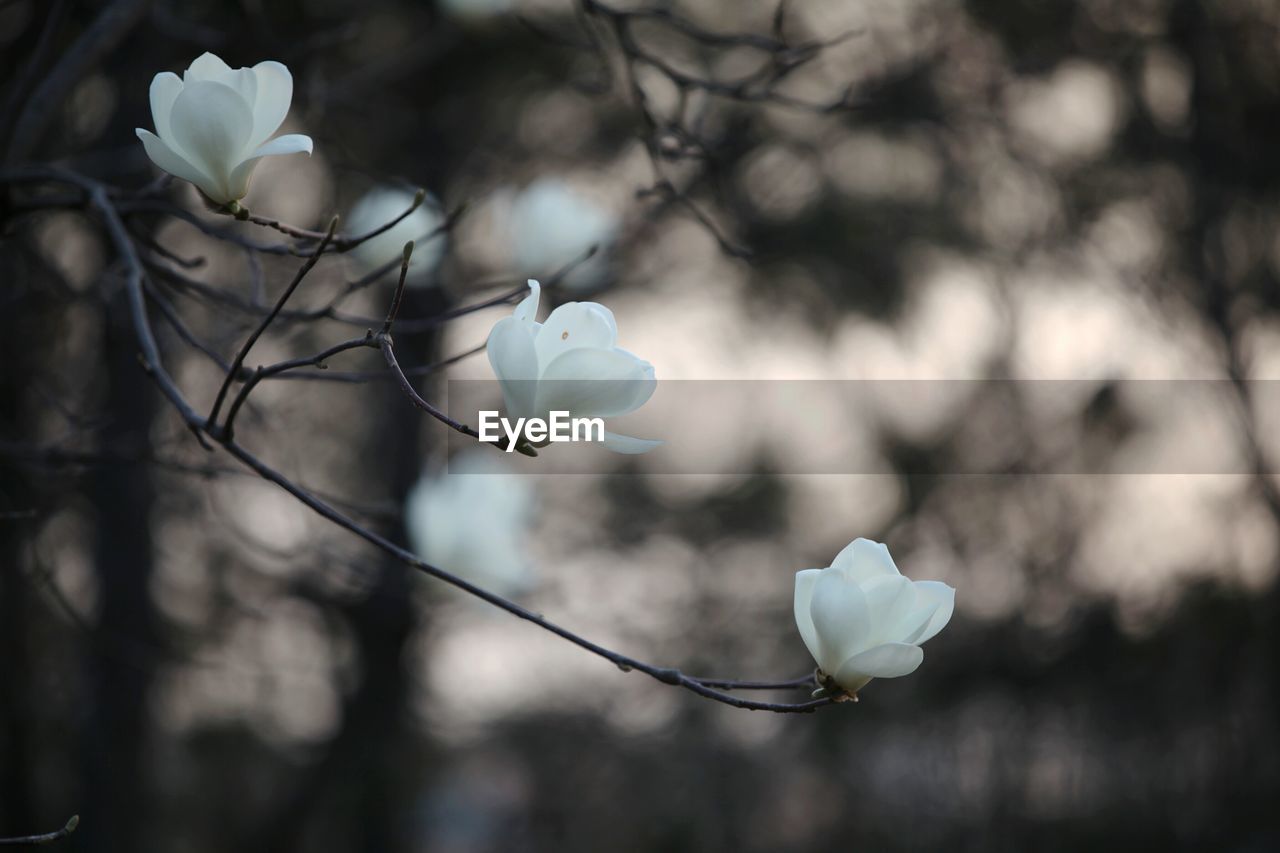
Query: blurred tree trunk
x,y
369,776
1222,173
120,671
30,313
16,796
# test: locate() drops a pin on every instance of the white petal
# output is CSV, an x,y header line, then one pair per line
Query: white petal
x,y
245,84
890,660
595,383
206,67
864,559
944,599
164,91
914,624
575,325
840,618
275,93
211,123
290,143
890,601
527,310
173,163
629,444
512,357
805,582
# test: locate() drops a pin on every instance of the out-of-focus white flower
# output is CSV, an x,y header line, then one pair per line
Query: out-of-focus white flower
x,y
570,364
378,207
861,619
475,10
213,124
552,224
472,521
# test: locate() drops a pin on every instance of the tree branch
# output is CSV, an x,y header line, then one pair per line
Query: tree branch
x,y
47,837
238,362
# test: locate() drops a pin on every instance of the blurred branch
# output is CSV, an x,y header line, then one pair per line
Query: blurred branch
x,y
102,37
679,138
47,837
30,70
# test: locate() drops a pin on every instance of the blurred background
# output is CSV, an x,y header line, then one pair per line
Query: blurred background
x,y
948,190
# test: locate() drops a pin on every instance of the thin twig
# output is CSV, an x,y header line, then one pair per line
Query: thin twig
x,y
238,362
389,353
335,242
260,373
805,681
68,828
399,294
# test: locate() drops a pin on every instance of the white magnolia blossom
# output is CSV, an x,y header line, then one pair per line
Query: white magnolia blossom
x,y
472,521
213,124
861,619
570,364
380,206
552,224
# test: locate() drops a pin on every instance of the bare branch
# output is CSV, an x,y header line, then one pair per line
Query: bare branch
x,y
68,828
108,206
212,420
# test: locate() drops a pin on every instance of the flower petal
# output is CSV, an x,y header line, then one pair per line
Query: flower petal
x,y
889,660
913,625
890,600
173,163
943,599
512,357
245,84
527,310
165,87
629,444
274,94
864,559
575,325
841,619
805,581
206,66
595,383
290,143
211,123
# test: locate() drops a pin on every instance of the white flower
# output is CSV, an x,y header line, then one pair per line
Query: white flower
x,y
569,363
552,225
213,124
861,619
472,521
378,207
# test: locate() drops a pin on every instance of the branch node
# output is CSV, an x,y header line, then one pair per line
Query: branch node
x,y
668,675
